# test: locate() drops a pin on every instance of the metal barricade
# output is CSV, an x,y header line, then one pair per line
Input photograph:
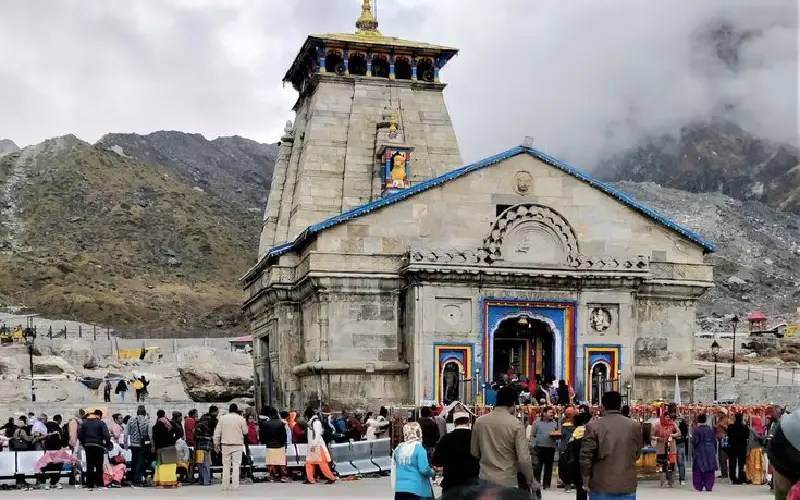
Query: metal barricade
x,y
382,454
291,455
8,464
26,462
340,455
302,451
360,457
258,456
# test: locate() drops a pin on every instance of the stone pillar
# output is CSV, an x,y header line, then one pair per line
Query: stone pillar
x,y
369,64
437,65
324,326
321,58
391,65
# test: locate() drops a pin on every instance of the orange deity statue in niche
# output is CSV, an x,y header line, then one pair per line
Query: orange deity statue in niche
x,y
397,174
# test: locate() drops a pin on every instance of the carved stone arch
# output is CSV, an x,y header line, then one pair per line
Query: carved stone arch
x,y
531,234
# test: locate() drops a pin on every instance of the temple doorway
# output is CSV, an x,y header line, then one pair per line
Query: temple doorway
x,y
523,347
451,379
599,382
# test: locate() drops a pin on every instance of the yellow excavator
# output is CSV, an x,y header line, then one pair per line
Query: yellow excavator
x,y
9,335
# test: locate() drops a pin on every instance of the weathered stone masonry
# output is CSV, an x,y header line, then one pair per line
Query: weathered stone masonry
x,y
383,263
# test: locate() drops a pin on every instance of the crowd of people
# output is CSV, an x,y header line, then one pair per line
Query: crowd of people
x,y
597,454
174,447
122,386
539,391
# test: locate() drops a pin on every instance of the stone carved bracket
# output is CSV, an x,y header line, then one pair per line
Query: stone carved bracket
x,y
640,263
451,256
483,257
541,219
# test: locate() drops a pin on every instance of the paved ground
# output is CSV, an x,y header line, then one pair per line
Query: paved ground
x,y
363,489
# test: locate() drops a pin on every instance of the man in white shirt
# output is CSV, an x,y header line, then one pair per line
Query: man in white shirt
x,y
229,439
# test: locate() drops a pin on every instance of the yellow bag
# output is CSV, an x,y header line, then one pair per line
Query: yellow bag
x,y
138,385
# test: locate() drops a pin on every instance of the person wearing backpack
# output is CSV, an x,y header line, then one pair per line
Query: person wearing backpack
x,y
567,428
572,454
95,439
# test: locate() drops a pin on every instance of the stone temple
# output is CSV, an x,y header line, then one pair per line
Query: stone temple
x,y
389,272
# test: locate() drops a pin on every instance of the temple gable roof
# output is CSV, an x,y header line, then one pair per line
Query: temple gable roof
x,y
621,196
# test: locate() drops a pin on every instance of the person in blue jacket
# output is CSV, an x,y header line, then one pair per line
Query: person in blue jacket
x,y
411,472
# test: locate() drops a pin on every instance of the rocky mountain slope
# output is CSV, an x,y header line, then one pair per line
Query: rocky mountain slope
x,y
237,170
8,146
759,251
715,157
148,234
89,234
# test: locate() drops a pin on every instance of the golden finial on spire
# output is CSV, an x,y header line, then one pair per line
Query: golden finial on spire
x,y
366,23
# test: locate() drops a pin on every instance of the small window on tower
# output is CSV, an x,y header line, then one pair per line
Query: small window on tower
x,y
334,64
499,209
402,68
425,70
380,67
357,65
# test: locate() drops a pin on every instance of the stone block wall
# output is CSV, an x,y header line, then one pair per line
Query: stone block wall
x,y
459,214
332,164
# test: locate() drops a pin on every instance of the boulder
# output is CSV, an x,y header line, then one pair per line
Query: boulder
x,y
211,375
92,383
79,353
9,366
51,365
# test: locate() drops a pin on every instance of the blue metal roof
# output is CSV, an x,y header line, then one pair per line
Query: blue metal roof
x,y
621,196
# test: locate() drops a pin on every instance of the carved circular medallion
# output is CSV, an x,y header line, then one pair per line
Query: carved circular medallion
x,y
451,313
600,319
523,180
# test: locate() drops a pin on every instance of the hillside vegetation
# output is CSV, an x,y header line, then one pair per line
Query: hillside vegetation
x,y
92,235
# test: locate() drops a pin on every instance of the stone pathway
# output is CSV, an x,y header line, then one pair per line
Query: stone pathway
x,y
364,489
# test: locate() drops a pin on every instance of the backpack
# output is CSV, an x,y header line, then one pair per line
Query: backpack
x,y
567,465
328,431
340,425
17,443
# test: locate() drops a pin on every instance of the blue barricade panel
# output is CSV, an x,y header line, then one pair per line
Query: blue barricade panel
x,y
340,455
360,457
382,454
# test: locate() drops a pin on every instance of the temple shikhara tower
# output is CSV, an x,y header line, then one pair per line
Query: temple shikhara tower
x,y
370,120
389,272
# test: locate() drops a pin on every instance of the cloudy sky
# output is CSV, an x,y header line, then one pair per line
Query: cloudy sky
x,y
584,77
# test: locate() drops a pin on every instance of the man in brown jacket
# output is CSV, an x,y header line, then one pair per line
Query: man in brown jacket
x,y
500,445
610,447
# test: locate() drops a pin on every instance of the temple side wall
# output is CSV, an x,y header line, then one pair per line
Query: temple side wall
x,y
665,346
